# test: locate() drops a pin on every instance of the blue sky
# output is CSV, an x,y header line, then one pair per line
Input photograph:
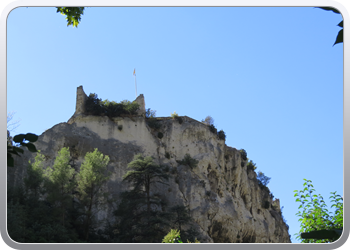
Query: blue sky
x,y
269,76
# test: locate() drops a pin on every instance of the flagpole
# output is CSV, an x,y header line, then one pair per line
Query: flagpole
x,y
135,87
135,83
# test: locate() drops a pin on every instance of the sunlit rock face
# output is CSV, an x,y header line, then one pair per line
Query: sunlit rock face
x,y
224,198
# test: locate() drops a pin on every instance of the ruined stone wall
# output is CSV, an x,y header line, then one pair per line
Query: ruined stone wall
x,y
80,103
80,107
141,101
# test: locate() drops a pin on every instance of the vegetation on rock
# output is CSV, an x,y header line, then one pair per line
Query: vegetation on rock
x,y
208,120
174,237
221,135
243,154
188,161
251,165
95,106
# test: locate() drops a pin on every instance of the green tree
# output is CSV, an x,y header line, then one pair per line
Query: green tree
x,y
90,180
263,179
181,217
208,120
318,225
30,215
222,135
35,176
73,14
340,35
143,173
140,215
150,113
60,183
188,161
251,165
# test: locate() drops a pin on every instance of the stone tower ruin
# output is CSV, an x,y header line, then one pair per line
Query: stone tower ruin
x,y
81,99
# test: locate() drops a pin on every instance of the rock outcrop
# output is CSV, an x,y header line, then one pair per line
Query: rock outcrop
x,y
224,197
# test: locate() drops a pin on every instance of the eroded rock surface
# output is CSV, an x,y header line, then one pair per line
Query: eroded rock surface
x,y
224,197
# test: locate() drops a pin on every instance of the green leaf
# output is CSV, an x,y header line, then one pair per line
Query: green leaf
x,y
339,38
30,147
19,138
31,137
331,9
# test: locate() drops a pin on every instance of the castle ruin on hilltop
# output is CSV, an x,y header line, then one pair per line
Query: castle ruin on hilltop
x,y
80,107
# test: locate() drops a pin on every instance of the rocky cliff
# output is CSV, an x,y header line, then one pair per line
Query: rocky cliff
x,y
223,196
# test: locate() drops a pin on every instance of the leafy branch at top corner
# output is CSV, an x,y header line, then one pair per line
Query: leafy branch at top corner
x,y
340,35
73,14
21,140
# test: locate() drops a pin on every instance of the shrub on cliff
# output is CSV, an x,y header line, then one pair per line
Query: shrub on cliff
x,y
263,179
150,113
174,115
251,165
243,154
221,135
188,161
174,237
208,120
95,106
130,107
212,129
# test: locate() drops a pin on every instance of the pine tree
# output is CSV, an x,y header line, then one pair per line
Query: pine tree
x,y
90,180
181,217
60,183
35,177
140,213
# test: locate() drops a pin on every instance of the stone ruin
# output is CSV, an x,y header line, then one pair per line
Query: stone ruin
x,y
80,108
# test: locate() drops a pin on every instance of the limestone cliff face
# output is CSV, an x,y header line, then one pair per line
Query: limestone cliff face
x,y
224,198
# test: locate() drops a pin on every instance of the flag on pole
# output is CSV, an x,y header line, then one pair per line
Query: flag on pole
x,y
134,74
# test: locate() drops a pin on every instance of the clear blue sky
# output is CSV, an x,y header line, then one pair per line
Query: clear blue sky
x,y
269,77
